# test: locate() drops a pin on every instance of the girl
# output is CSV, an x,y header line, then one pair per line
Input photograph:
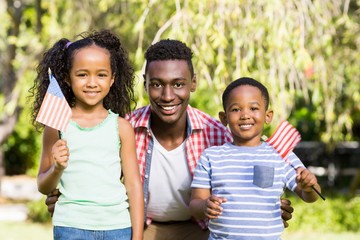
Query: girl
x,y
99,144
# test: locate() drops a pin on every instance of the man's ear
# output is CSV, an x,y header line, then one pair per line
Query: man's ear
x,y
193,83
144,76
222,117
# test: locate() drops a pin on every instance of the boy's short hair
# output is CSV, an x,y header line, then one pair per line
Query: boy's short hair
x,y
169,49
246,81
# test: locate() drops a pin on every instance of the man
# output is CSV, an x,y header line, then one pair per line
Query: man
x,y
170,137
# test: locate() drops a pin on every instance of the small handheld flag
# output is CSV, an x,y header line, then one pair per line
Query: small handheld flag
x,y
54,112
284,140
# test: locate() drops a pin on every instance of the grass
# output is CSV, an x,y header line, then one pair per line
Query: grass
x,y
332,219
25,230
36,231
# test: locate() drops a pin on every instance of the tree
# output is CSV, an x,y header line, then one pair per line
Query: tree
x,y
305,52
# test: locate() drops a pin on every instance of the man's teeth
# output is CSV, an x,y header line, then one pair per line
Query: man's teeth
x,y
168,108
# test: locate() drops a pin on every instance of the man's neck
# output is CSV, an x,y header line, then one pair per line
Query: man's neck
x,y
170,136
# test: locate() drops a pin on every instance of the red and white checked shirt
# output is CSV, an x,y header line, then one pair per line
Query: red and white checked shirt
x,y
203,131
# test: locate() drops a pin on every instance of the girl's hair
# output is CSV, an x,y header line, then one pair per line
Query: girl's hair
x,y
59,59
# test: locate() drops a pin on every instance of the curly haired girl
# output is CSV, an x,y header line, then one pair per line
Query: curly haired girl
x,y
98,146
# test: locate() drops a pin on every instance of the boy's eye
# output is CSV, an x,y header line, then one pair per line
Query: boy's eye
x,y
254,108
235,110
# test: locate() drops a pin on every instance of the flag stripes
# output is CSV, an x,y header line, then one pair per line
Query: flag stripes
x,y
54,112
284,139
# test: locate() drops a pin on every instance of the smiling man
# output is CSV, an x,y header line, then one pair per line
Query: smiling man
x,y
170,137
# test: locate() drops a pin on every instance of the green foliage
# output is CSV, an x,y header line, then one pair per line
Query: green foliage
x,y
310,62
338,213
22,148
38,211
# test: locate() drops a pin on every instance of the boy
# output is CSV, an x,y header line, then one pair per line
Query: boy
x,y
238,185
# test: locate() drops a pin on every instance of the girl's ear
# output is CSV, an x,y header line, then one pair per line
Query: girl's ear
x,y
112,80
68,82
222,117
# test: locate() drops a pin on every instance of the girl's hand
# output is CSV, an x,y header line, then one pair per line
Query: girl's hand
x,y
212,207
60,154
305,179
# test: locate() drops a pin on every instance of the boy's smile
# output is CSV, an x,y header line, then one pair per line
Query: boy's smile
x,y
246,115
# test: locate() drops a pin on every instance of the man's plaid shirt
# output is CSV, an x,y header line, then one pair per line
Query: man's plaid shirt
x,y
203,131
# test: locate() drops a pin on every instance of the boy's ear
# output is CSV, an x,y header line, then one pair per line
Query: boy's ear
x,y
222,117
268,116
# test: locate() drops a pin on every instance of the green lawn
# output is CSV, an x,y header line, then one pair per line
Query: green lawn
x,y
25,231
33,231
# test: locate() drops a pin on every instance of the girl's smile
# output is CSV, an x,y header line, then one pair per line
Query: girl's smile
x,y
91,76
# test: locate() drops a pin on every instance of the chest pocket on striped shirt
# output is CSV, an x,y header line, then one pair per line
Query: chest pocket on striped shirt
x,y
263,176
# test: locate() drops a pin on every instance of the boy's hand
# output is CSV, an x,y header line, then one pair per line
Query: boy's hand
x,y
305,179
60,154
212,207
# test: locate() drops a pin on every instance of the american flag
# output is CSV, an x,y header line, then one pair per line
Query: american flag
x,y
54,112
284,139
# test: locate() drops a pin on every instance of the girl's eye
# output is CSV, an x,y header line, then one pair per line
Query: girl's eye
x,y
102,75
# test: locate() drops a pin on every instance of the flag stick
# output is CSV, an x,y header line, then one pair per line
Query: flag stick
x,y
318,193
284,132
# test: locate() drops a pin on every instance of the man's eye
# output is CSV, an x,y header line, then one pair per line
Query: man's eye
x,y
155,85
178,85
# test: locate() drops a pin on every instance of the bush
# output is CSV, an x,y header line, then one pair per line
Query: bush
x,y
338,213
38,211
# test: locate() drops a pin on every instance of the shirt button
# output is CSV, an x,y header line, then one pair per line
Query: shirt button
x,y
146,176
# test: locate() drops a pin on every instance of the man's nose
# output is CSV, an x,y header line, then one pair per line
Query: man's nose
x,y
168,93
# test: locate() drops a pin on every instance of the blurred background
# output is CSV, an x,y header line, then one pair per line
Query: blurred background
x,y
307,52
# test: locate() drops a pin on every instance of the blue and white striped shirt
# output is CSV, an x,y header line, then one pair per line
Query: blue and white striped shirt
x,y
252,179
